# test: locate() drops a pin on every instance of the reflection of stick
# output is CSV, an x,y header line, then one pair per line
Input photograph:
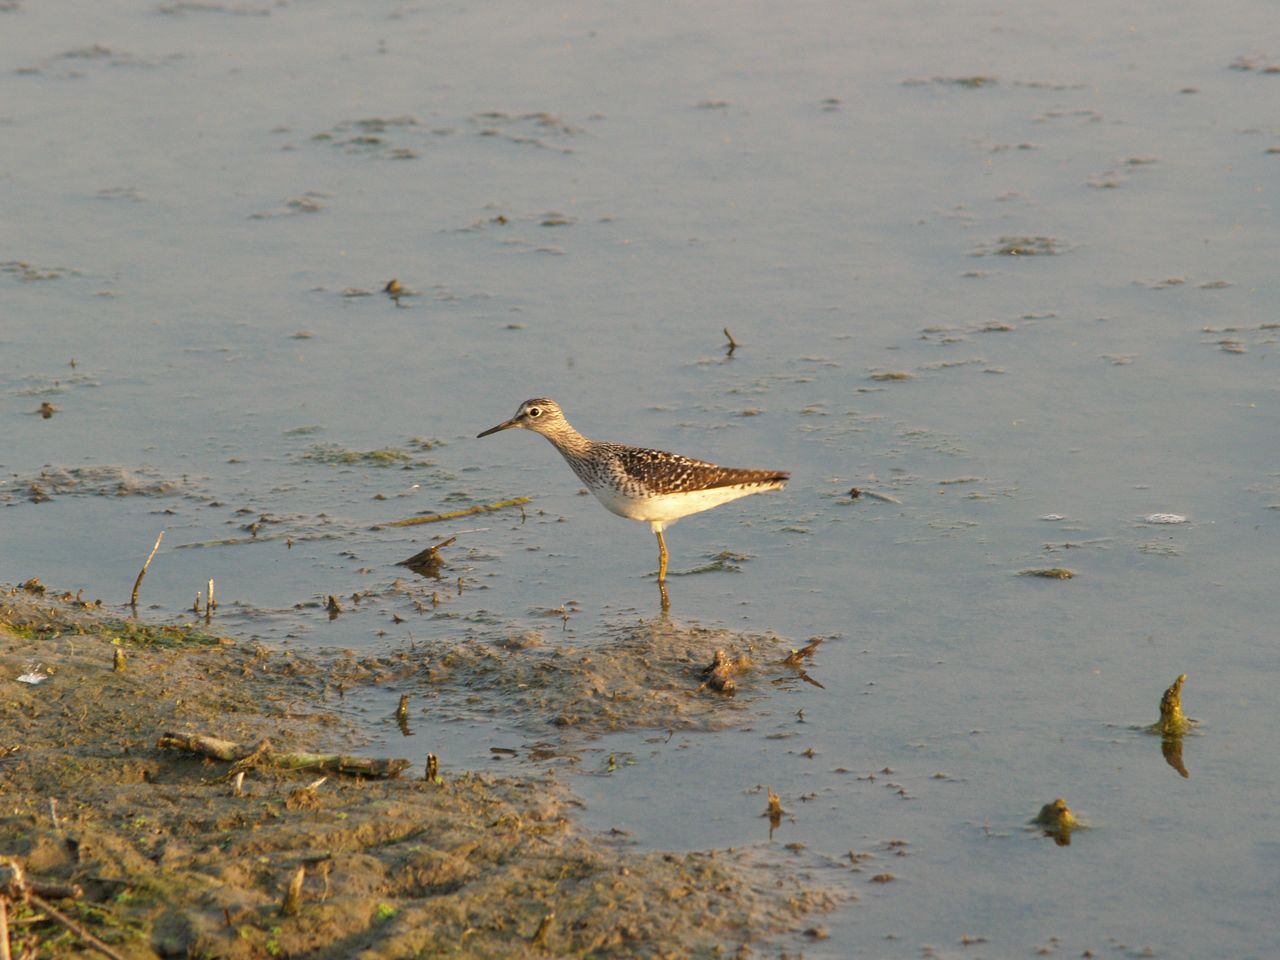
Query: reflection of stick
x,y
137,584
453,514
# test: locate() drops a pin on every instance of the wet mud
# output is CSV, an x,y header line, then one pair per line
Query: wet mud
x,y
650,674
176,856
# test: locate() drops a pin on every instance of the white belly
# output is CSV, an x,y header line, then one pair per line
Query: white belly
x,y
657,511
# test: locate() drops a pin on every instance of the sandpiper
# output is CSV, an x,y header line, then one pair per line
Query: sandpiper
x,y
652,486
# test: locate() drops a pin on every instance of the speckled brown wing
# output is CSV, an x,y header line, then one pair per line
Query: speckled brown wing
x,y
663,473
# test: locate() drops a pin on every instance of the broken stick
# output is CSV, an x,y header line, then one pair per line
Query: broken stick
x,y
264,755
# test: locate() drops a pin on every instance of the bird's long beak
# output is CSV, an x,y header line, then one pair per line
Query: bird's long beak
x,y
505,425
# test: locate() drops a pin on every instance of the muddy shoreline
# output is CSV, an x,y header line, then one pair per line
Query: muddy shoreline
x,y
173,863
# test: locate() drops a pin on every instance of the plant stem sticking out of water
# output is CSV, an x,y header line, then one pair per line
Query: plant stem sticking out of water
x,y
1173,722
773,811
137,584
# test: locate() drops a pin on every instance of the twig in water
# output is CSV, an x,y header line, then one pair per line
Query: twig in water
x,y
426,563
137,584
454,514
733,344
208,610
883,497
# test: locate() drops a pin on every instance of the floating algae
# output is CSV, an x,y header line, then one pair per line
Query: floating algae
x,y
336,455
105,480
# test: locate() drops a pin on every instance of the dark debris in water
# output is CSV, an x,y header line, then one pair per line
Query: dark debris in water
x,y
972,82
404,138
1050,573
25,272
1057,821
1022,246
1255,63
726,561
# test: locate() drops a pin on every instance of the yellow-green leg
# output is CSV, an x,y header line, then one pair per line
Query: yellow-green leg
x,y
662,557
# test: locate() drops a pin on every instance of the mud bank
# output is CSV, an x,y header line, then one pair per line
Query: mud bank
x,y
173,863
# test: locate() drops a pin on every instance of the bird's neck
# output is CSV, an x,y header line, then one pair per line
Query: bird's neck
x,y
571,444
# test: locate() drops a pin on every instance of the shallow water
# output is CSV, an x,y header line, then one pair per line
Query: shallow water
x,y
579,199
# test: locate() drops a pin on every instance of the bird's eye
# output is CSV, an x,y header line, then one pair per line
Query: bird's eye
x,y
535,412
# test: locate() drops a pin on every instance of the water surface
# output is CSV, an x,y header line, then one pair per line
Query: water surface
x,y
204,202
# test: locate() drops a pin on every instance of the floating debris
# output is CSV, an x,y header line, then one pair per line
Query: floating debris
x,y
95,481
1164,518
873,495
336,455
974,82
1022,247
427,563
26,273
1057,821
1049,573
35,675
1255,64
454,514
719,673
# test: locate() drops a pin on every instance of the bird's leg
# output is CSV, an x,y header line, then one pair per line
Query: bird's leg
x,y
662,557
